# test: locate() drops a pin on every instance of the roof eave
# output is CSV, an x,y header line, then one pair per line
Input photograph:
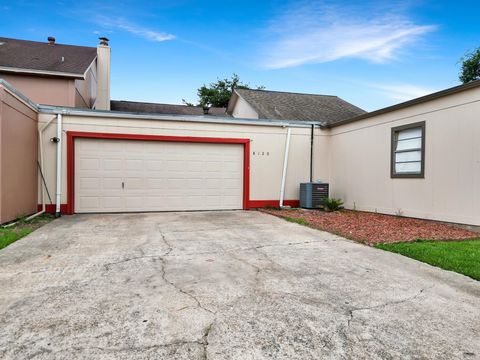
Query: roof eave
x,y
182,118
23,71
420,100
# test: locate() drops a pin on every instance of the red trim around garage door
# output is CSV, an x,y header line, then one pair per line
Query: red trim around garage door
x,y
72,135
256,204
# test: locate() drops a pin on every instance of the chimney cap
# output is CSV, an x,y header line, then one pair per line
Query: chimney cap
x,y
103,41
51,40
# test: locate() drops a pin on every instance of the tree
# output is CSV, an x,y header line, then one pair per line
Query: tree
x,y
470,66
218,93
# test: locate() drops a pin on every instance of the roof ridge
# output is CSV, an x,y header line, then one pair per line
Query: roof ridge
x,y
286,92
45,43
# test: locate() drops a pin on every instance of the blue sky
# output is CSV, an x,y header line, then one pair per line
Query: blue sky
x,y
371,53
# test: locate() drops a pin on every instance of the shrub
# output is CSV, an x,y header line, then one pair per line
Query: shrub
x,y
333,204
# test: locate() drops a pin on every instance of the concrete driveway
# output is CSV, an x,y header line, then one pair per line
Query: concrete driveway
x,y
224,285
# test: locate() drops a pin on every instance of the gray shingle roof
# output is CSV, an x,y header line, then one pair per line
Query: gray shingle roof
x,y
295,106
33,56
169,109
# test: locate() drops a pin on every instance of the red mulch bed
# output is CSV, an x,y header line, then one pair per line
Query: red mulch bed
x,y
372,228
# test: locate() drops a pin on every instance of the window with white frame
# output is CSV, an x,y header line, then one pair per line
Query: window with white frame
x,y
408,151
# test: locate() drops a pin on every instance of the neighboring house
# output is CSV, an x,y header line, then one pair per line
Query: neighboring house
x,y
57,74
420,158
278,105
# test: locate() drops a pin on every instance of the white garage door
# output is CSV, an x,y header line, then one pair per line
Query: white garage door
x,y
133,175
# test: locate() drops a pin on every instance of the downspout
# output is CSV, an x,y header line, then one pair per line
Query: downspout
x,y
58,140
285,163
311,154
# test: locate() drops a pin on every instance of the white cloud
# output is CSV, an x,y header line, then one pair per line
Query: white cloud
x,y
402,92
318,32
122,24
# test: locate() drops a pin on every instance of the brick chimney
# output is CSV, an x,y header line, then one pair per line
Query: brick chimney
x,y
103,75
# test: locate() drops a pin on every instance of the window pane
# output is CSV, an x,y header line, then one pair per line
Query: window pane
x,y
408,168
409,133
409,144
408,156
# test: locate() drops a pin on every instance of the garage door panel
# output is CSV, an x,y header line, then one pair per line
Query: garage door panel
x,y
111,203
89,183
134,164
89,164
158,165
112,183
134,183
89,202
231,184
112,164
157,176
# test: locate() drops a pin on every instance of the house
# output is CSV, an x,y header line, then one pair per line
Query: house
x,y
58,74
279,105
171,109
420,158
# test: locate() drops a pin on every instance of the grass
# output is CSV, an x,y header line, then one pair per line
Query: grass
x,y
460,256
11,234
300,221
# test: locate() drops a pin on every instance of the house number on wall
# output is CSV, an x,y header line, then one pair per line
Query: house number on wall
x,y
261,153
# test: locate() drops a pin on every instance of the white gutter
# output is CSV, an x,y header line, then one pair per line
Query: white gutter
x,y
59,165
46,109
285,163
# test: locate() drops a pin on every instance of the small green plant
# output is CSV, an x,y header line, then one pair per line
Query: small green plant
x,y
332,204
20,228
300,221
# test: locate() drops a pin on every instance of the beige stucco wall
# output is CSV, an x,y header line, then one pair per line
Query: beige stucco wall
x,y
244,110
44,90
359,162
86,90
265,170
18,157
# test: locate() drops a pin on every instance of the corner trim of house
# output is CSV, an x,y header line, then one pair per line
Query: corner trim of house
x,y
72,135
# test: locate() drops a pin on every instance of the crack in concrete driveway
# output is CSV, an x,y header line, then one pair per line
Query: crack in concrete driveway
x,y
224,285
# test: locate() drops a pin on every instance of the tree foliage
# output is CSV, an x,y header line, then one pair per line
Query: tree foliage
x,y
218,94
470,67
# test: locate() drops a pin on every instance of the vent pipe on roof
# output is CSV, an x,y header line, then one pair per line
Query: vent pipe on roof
x,y
51,40
103,41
